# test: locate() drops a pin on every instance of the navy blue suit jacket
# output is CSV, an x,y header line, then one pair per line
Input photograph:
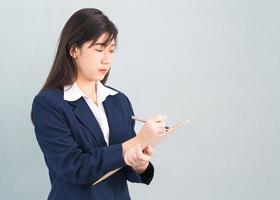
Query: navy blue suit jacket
x,y
75,150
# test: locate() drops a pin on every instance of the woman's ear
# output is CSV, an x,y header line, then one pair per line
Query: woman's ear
x,y
74,52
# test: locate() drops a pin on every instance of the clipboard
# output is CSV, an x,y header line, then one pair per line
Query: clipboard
x,y
168,131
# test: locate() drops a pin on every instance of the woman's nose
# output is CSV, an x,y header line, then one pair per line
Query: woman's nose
x,y
105,59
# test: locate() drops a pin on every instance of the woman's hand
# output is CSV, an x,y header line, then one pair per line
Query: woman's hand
x,y
137,158
152,130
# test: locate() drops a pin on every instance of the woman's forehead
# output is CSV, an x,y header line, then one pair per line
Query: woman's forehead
x,y
105,40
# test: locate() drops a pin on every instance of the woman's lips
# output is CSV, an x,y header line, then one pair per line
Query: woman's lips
x,y
103,70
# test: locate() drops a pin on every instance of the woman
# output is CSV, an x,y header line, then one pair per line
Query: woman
x,y
84,128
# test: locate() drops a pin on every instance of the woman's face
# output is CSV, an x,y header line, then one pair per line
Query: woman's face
x,y
94,62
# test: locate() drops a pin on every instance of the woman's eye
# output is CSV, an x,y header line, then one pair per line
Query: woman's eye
x,y
99,50
112,51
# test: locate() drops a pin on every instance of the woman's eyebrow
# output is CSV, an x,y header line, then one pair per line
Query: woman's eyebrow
x,y
102,44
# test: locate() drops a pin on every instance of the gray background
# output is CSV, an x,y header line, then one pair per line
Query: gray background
x,y
215,62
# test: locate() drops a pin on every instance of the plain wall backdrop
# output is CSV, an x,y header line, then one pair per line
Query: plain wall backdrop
x,y
215,62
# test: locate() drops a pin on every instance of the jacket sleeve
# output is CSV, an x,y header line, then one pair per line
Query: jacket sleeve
x,y
62,153
147,176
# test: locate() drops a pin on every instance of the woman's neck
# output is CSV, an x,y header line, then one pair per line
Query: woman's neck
x,y
88,88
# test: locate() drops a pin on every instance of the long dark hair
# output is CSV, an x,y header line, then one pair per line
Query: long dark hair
x,y
85,25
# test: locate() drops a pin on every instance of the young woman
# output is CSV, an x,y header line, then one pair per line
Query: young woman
x,y
84,128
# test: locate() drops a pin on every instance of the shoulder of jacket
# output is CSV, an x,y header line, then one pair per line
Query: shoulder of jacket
x,y
52,97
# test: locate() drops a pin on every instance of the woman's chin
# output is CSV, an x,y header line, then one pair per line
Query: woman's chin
x,y
97,78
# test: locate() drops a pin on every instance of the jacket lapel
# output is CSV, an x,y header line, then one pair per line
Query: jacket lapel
x,y
84,114
114,118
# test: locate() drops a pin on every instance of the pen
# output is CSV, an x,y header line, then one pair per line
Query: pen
x,y
141,120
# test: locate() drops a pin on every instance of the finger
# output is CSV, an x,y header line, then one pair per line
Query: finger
x,y
160,123
160,130
139,152
134,155
145,154
146,157
145,150
127,159
131,156
161,118
134,162
149,151
143,157
158,117
161,126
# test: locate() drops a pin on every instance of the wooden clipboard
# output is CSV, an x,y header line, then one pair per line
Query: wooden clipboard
x,y
171,129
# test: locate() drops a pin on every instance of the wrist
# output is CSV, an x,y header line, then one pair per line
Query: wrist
x,y
130,143
142,139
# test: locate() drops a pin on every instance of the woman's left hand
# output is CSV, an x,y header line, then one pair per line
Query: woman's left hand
x,y
138,159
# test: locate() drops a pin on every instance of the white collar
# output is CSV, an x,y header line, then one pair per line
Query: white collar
x,y
73,92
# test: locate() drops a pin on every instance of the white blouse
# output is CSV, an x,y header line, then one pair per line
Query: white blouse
x,y
102,92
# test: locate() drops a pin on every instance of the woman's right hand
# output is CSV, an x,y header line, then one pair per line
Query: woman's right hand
x,y
152,130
